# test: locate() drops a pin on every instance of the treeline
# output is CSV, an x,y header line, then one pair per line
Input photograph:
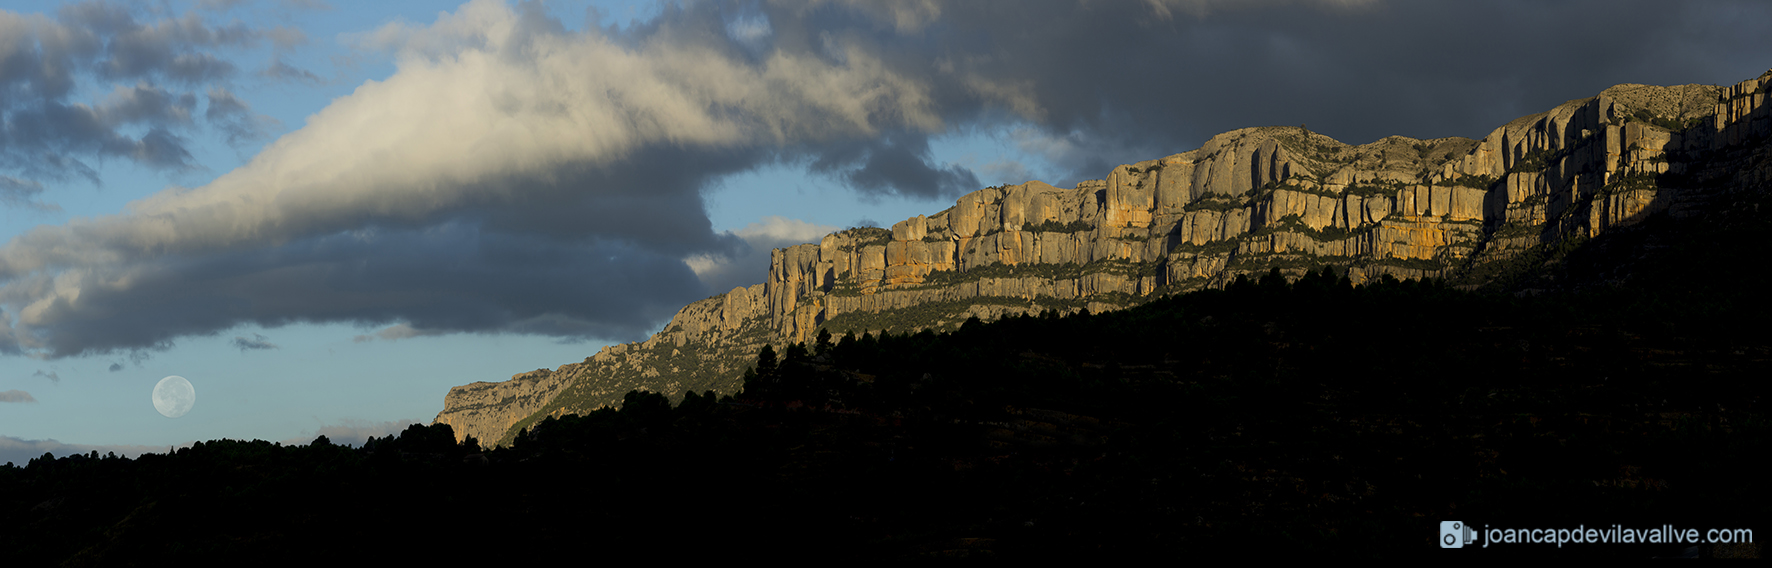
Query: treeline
x,y
1268,418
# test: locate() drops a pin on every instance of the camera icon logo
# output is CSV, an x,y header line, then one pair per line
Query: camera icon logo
x,y
1454,534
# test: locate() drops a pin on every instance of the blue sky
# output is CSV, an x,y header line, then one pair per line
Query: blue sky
x,y
324,215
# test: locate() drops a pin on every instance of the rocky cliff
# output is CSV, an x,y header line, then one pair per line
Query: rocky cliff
x,y
1245,202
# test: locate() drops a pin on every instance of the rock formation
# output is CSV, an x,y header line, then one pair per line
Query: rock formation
x,y
1244,202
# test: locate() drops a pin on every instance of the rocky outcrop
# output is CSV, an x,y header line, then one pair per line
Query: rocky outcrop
x,y
1244,202
485,410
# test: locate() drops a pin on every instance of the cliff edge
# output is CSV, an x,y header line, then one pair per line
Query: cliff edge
x,y
1244,202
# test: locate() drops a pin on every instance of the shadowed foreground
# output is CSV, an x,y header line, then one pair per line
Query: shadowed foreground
x,y
1257,420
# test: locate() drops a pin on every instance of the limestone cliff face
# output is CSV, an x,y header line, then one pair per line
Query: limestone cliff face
x,y
485,410
698,351
1244,202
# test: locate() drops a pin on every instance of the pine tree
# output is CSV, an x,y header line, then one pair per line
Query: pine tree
x,y
766,362
824,341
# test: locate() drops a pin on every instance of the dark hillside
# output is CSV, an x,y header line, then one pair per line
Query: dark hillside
x,y
1311,418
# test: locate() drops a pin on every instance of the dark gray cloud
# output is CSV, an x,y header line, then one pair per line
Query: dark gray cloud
x,y
115,367
16,395
50,142
22,193
513,177
256,342
147,104
140,354
450,278
51,375
235,119
397,332
1107,83
280,71
173,49
899,165
1089,85
156,65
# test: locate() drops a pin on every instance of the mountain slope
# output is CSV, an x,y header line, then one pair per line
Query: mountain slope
x,y
1313,419
1487,212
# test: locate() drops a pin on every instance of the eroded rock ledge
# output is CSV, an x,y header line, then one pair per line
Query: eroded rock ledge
x,y
1246,201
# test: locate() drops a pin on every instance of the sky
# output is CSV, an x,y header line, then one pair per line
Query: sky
x,y
325,214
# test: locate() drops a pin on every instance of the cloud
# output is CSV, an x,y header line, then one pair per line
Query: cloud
x,y
257,341
510,177
280,71
750,264
153,66
146,104
397,332
21,193
16,395
907,16
1169,9
1125,84
235,118
138,355
19,451
354,432
1125,81
116,367
51,375
168,48
751,29
401,331
454,278
895,165
515,177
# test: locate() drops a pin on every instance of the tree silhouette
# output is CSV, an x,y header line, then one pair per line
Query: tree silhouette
x,y
824,341
766,362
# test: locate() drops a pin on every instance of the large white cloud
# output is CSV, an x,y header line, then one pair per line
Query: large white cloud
x,y
513,176
497,124
483,97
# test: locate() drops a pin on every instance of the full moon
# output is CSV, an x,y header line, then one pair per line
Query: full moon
x,y
173,397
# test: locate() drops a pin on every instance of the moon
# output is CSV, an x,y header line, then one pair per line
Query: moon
x,y
173,396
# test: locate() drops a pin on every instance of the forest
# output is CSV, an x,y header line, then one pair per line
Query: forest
x,y
1309,418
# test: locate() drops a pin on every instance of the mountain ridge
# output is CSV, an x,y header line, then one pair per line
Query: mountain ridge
x,y
1246,201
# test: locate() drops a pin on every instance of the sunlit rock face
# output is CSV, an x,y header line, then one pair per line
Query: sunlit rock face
x,y
1244,202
